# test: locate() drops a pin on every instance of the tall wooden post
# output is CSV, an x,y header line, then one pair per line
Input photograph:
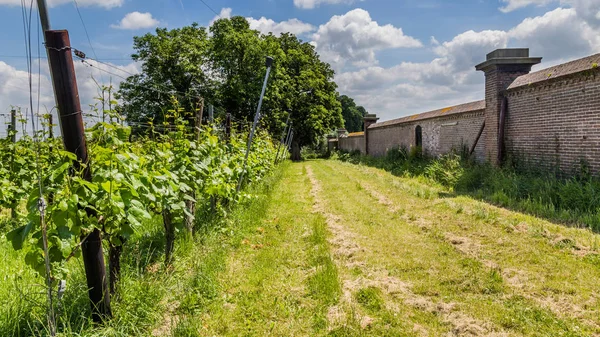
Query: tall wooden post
x,y
71,124
199,113
13,137
50,126
13,126
228,128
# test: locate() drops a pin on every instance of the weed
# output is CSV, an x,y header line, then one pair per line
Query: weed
x,y
370,298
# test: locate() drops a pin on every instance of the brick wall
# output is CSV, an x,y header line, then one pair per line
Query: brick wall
x,y
496,81
440,135
556,123
352,143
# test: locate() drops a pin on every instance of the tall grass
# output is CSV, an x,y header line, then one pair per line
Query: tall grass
x,y
572,199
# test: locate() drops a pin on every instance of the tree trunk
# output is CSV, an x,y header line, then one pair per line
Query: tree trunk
x,y
169,236
95,274
189,221
296,151
114,264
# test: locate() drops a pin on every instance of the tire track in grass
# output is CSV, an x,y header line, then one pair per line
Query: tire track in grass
x,y
261,273
474,242
347,250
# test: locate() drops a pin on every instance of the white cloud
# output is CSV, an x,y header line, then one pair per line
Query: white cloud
x,y
450,78
266,26
559,34
355,37
108,4
588,10
310,4
14,87
512,5
224,14
293,26
137,20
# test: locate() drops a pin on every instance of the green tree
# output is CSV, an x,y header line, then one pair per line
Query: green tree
x,y
228,67
309,93
174,63
353,114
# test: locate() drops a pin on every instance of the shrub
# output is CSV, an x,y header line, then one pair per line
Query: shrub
x,y
447,170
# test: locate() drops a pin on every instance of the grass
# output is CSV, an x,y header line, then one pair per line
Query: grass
x,y
566,197
335,249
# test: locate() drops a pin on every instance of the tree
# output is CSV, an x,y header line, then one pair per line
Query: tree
x,y
174,63
353,114
309,94
228,67
237,57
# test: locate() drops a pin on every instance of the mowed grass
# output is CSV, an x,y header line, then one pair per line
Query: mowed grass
x,y
508,272
333,249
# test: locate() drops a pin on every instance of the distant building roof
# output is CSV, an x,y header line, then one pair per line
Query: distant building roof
x,y
462,108
356,134
573,67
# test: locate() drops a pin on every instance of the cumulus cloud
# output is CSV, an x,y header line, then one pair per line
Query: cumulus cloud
x,y
108,4
412,87
293,26
588,10
310,4
512,5
224,14
137,20
266,26
355,37
14,87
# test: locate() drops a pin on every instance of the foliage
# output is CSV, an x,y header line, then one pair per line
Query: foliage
x,y
353,114
227,68
132,184
173,64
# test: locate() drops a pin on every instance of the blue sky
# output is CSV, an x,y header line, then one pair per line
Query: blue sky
x,y
395,57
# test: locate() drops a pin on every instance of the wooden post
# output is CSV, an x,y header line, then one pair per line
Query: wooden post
x,y
13,126
13,137
71,123
228,128
199,113
477,139
50,126
501,124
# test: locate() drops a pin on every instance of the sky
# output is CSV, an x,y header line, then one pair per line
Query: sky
x,y
394,57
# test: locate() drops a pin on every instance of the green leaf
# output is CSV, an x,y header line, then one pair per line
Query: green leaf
x,y
63,206
17,236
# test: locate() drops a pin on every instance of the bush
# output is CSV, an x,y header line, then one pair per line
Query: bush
x,y
447,170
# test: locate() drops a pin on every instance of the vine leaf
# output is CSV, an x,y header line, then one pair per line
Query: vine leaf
x,y
17,236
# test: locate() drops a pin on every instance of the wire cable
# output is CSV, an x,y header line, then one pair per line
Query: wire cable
x,y
86,33
205,4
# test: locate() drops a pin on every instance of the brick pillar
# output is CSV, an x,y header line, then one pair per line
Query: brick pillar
x,y
368,120
501,68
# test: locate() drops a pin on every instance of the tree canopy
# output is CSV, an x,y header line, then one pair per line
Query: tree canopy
x,y
226,66
353,114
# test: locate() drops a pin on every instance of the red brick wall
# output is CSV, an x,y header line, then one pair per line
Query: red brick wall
x,y
556,123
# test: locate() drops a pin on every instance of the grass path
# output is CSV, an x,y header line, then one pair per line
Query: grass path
x,y
347,250
499,272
